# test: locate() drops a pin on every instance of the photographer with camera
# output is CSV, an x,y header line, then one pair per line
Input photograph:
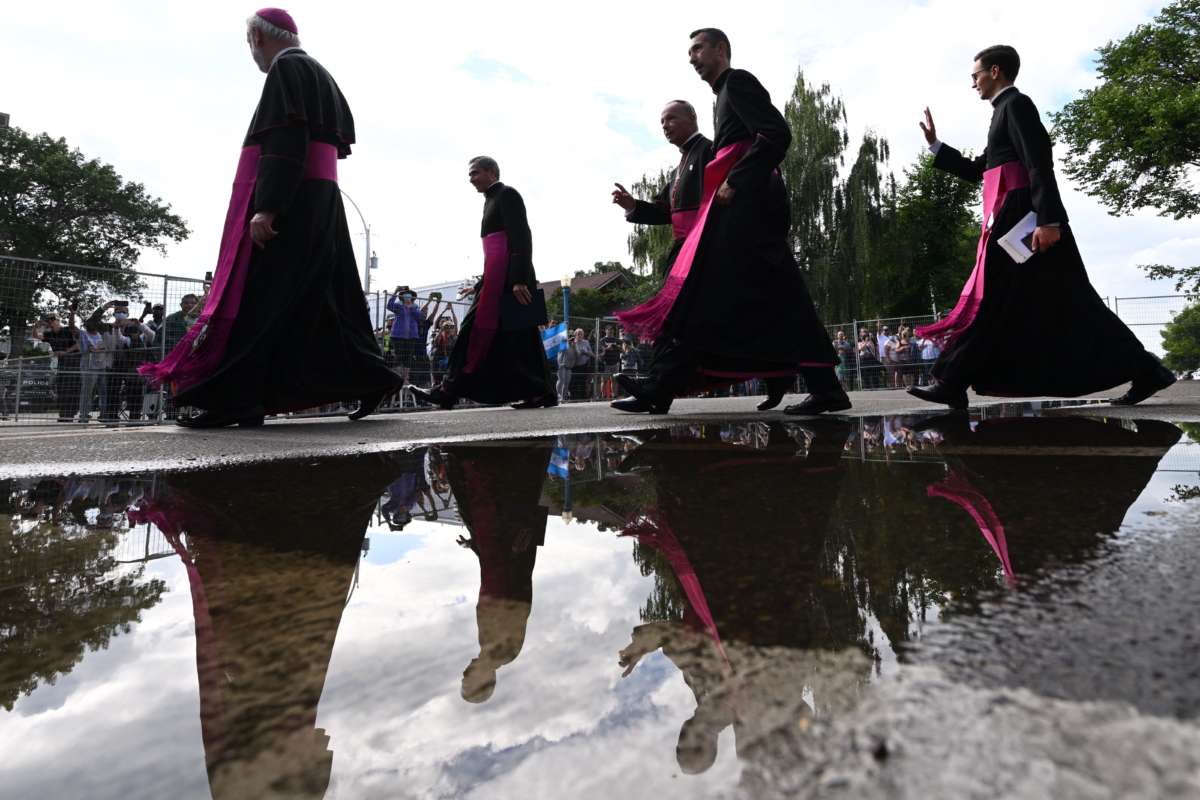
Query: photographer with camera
x,y
410,330
140,351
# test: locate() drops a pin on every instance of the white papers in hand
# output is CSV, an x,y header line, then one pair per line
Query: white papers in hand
x,y
1018,242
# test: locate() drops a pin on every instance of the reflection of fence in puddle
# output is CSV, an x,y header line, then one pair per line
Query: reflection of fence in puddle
x,y
141,544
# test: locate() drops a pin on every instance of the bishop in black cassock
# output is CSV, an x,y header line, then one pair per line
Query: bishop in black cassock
x,y
498,356
735,305
1079,346
285,326
678,201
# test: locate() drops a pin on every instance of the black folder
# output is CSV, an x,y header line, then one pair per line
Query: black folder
x,y
514,316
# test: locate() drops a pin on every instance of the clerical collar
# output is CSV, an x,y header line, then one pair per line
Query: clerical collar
x,y
1002,92
720,81
282,52
683,148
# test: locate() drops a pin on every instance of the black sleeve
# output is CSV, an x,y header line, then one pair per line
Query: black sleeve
x,y
1033,147
772,137
280,167
520,239
969,169
656,213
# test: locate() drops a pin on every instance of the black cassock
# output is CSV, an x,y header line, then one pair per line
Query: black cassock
x,y
744,308
1041,329
508,365
678,202
302,336
498,493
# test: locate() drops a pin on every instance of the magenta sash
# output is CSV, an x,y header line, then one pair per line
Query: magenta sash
x,y
487,309
170,518
962,493
997,183
200,351
653,531
682,222
647,319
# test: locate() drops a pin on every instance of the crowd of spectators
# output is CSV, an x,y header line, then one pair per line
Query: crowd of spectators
x,y
883,359
76,366
90,364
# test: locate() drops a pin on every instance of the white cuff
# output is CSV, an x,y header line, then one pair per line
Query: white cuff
x,y
937,145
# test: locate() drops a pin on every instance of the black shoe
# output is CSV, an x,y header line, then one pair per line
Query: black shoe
x,y
939,392
641,405
545,401
1160,379
819,403
218,419
776,389
434,397
370,404
631,384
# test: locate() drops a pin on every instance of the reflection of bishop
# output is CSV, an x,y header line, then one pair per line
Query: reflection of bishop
x,y
1045,489
270,556
752,566
498,491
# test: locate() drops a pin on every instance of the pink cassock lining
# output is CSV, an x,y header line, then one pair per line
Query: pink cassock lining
x,y
200,351
487,310
648,319
997,183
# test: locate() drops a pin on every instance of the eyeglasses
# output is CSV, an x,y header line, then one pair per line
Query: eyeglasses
x,y
975,75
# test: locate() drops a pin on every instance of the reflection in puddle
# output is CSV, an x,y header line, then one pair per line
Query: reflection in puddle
x,y
635,613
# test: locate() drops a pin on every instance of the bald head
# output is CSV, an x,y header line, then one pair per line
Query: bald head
x,y
678,122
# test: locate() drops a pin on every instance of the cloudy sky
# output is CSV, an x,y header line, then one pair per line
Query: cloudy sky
x,y
565,96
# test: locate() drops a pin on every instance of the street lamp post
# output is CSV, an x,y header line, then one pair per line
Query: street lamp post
x,y
367,257
566,287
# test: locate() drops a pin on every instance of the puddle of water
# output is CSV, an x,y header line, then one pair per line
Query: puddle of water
x,y
631,614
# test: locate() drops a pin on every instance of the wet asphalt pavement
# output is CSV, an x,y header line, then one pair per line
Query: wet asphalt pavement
x,y
872,643
63,449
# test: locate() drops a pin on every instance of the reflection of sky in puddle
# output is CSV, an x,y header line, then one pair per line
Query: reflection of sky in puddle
x,y
125,721
561,715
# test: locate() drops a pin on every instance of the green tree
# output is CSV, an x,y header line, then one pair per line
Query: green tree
x,y
863,248
817,120
937,235
1181,340
65,596
59,206
1134,140
649,245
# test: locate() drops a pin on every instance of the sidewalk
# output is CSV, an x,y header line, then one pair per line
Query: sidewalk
x,y
61,450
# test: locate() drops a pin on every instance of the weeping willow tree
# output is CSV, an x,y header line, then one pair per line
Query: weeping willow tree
x,y
810,170
649,245
863,238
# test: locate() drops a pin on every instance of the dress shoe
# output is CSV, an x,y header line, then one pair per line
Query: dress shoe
x,y
220,419
434,397
630,383
545,401
641,405
370,404
820,403
776,389
1160,379
939,392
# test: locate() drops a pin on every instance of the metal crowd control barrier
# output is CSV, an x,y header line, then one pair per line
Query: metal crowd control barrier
x,y
45,383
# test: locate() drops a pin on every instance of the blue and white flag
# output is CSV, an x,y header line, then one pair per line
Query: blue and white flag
x,y
554,340
560,463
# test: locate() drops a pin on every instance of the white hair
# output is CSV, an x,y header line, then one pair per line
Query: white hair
x,y
272,31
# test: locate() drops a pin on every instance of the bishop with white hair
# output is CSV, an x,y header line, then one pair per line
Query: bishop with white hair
x,y
285,326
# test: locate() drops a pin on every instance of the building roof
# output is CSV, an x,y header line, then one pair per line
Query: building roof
x,y
600,281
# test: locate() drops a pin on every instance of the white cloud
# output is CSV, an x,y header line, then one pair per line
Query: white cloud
x,y
164,91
